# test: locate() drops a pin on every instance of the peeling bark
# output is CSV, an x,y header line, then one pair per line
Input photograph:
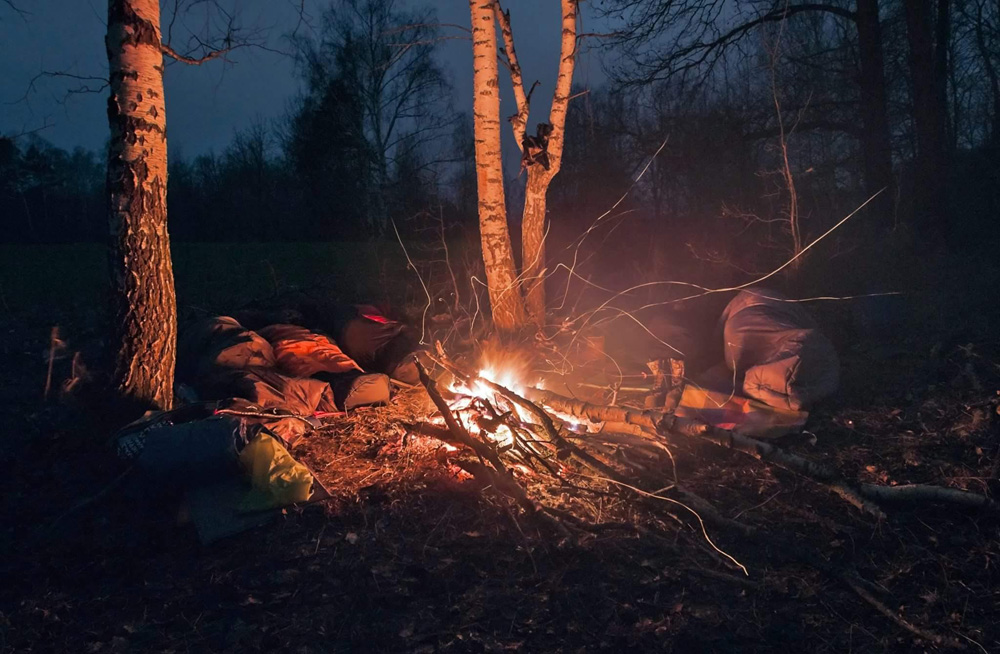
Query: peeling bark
x,y
498,255
144,307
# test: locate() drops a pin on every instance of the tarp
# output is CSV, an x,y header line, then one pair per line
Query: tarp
x,y
775,347
276,478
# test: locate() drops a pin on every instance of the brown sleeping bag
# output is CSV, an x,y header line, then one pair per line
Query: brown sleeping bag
x,y
220,342
301,353
775,346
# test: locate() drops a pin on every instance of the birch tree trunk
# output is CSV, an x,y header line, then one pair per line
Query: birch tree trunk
x,y
144,307
498,256
539,178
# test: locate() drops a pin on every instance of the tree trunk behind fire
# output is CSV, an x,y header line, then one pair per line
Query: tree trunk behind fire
x,y
927,31
144,307
876,138
539,178
498,256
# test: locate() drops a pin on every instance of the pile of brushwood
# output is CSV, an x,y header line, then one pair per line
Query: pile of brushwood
x,y
551,525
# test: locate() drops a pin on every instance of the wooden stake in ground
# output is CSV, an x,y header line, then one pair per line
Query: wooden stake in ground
x,y
144,307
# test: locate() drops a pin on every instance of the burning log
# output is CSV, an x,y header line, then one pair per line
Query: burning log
x,y
498,476
660,423
564,448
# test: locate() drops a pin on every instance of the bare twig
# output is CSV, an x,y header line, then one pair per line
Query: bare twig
x,y
194,61
920,632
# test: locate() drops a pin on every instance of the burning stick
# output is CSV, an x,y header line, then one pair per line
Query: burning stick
x,y
499,477
563,447
460,434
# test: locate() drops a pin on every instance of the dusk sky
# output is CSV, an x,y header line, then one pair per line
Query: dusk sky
x,y
206,104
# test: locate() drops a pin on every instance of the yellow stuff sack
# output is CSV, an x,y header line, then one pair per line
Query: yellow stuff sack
x,y
277,478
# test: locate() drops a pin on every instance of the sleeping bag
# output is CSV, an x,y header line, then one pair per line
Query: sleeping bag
x,y
774,345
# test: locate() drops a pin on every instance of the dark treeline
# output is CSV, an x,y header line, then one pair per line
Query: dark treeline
x,y
778,120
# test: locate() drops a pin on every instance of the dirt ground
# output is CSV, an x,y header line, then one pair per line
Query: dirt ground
x,y
409,556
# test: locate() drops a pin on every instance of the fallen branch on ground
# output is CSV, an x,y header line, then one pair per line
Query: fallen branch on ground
x,y
862,496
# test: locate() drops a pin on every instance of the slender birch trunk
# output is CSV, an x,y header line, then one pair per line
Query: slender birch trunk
x,y
143,302
539,177
498,255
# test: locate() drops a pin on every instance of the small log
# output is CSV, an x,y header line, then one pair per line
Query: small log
x,y
661,423
926,493
434,431
853,497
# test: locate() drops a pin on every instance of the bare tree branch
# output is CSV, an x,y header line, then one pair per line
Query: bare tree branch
x,y
518,121
17,10
170,52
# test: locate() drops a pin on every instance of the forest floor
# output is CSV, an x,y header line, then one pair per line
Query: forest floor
x,y
408,557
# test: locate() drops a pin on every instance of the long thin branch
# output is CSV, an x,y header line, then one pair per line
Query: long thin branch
x,y
518,121
173,54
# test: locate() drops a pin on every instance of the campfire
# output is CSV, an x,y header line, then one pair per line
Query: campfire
x,y
501,426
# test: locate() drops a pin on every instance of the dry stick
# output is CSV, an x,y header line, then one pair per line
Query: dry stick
x,y
853,497
920,632
658,422
563,446
863,496
925,493
434,431
53,340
